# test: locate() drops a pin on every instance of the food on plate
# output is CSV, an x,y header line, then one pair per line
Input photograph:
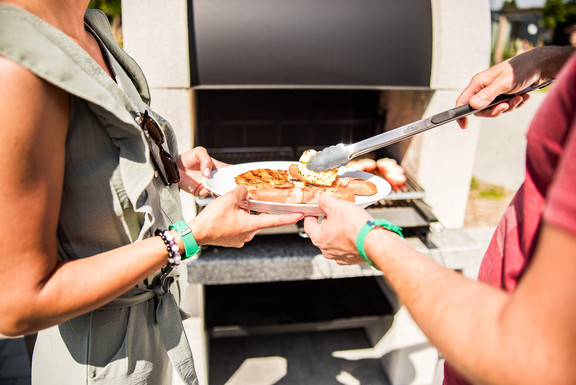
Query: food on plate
x,y
329,178
392,172
300,185
264,178
356,185
320,178
307,195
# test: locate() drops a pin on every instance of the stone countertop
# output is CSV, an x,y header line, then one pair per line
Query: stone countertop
x,y
290,257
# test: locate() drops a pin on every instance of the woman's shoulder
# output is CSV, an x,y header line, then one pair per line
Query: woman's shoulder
x,y
14,75
23,90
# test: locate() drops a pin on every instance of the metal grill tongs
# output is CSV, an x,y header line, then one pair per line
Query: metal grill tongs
x,y
340,154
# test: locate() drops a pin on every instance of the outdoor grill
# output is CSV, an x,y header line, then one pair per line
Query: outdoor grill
x,y
264,80
250,125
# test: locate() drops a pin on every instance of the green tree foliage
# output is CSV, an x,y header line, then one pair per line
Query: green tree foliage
x,y
558,12
509,4
112,8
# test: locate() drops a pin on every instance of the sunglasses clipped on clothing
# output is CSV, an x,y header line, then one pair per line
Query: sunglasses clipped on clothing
x,y
166,165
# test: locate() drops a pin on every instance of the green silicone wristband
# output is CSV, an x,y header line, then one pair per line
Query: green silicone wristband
x,y
190,246
369,226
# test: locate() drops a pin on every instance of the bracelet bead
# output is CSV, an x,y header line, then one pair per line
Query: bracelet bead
x,y
173,250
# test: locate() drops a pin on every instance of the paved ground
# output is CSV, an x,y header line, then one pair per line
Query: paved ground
x,y
502,144
293,359
500,162
287,359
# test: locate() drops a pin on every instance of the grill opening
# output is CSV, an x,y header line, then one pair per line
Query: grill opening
x,y
252,125
272,306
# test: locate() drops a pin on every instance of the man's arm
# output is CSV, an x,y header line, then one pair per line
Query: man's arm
x,y
491,336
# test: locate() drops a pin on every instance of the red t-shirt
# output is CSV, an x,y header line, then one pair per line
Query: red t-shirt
x,y
547,193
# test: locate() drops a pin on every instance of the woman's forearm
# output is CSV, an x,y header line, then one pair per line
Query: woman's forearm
x,y
76,287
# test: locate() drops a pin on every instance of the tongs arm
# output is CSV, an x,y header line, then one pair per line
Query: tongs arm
x,y
387,138
339,155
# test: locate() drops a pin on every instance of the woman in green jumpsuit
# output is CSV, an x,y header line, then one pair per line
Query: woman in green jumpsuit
x,y
90,204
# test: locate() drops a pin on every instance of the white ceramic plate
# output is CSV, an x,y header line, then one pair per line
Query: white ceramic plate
x,y
222,181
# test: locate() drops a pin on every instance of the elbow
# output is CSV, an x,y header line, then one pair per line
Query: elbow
x,y
15,326
11,330
10,333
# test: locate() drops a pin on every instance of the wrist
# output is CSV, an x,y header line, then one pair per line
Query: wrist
x,y
365,231
171,246
554,60
204,230
186,239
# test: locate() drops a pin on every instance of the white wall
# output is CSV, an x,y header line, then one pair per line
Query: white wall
x,y
442,159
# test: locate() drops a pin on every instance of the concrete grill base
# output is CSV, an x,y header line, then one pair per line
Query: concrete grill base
x,y
403,352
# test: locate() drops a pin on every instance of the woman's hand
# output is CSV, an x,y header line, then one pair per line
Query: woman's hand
x,y
193,165
336,235
224,223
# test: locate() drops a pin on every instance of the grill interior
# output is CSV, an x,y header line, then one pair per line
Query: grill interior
x,y
250,125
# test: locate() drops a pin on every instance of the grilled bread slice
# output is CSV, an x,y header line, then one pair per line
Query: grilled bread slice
x,y
262,178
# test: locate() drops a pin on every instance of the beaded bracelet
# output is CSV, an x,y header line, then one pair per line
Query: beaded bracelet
x,y
172,248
